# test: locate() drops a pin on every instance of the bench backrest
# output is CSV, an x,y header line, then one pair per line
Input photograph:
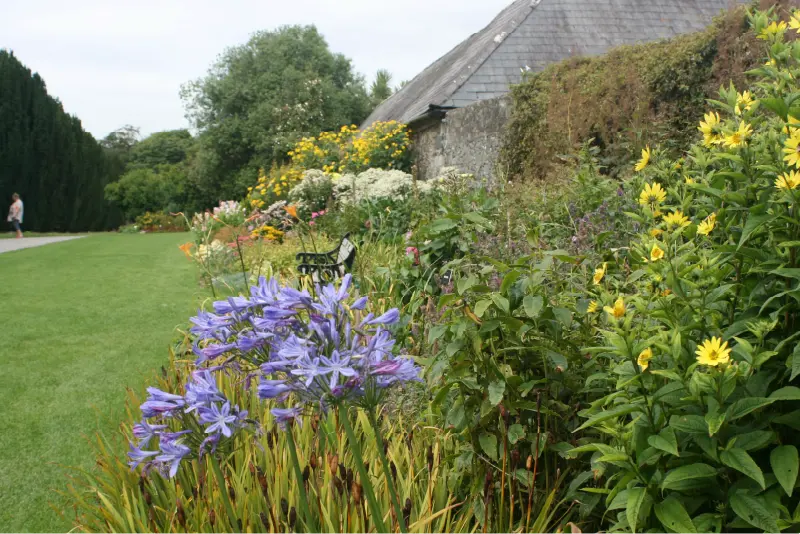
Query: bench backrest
x,y
347,251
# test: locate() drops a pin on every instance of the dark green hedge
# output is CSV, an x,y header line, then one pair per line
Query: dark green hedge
x,y
45,155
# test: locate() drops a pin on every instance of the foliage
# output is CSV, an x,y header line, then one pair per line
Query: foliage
x,y
141,189
698,431
259,99
312,193
631,96
380,89
160,222
162,148
58,169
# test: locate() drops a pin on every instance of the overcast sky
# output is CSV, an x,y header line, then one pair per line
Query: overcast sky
x,y
113,63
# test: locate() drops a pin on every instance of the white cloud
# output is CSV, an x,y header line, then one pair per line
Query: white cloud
x,y
115,63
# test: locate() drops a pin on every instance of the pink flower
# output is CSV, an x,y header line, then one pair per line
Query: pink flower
x,y
413,251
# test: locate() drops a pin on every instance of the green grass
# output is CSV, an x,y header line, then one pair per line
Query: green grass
x,y
81,321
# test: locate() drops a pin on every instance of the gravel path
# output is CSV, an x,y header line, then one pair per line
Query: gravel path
x,y
7,245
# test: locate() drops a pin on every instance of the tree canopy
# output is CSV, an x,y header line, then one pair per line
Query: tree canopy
x,y
59,169
260,98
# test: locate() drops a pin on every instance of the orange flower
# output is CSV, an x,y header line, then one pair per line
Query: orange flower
x,y
187,249
291,210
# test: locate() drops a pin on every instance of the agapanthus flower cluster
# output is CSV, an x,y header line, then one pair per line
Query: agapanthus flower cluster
x,y
316,350
309,352
203,412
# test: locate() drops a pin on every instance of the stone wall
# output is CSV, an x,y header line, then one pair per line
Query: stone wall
x,y
468,138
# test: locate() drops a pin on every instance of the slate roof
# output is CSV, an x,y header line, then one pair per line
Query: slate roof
x,y
531,34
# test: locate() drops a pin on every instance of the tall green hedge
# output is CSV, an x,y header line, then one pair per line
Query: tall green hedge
x,y
45,155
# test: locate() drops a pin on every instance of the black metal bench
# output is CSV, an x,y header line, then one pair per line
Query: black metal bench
x,y
328,265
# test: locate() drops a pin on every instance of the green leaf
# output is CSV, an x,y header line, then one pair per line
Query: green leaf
x,y
465,283
665,441
436,332
564,316
754,440
481,306
501,302
496,391
636,498
455,416
786,393
609,414
776,105
687,476
714,421
741,461
442,225
489,445
478,219
795,362
515,433
744,406
674,516
691,424
508,280
533,305
784,462
754,511
754,222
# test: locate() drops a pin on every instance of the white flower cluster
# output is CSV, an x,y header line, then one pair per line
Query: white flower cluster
x,y
227,208
201,222
215,250
376,184
314,182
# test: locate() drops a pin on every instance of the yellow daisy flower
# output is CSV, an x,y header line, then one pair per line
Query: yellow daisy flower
x,y
618,311
713,352
791,147
740,136
644,358
744,102
772,30
788,181
652,194
656,253
688,180
593,307
676,218
599,273
709,127
794,23
655,232
642,163
708,224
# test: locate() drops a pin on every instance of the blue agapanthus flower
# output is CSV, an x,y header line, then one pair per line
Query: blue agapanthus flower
x,y
314,351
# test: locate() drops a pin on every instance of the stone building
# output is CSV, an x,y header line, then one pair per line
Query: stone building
x,y
457,106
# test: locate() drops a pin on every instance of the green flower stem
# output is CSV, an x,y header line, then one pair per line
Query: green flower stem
x,y
298,474
398,512
223,489
377,518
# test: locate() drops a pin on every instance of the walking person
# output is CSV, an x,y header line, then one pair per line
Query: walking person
x,y
15,214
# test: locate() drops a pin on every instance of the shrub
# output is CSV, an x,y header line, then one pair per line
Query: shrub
x,y
160,222
694,426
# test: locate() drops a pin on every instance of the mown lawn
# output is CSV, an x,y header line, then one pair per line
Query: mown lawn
x,y
81,320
